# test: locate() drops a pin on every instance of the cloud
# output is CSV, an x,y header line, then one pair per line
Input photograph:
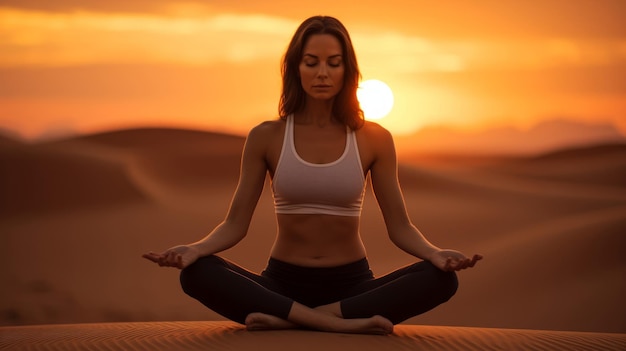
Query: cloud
x,y
89,5
402,53
203,37
58,39
50,39
405,53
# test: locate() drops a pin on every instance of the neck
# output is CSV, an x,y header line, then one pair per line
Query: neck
x,y
317,112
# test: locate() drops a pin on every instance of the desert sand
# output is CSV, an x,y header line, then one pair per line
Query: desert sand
x,y
76,215
228,336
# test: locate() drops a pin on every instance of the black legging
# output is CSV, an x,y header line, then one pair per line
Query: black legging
x,y
235,292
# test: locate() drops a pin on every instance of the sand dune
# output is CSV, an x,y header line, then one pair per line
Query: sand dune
x,y
39,179
551,228
177,157
7,141
598,164
229,336
543,137
566,273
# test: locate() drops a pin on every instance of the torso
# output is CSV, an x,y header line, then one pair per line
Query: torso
x,y
317,240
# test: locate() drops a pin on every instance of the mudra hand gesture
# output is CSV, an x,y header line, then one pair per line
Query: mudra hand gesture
x,y
178,256
452,260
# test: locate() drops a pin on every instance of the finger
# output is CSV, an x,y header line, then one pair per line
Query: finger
x,y
180,261
460,264
475,259
163,259
466,263
151,256
172,259
448,266
175,259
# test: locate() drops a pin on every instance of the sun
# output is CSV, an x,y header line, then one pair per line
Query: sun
x,y
376,99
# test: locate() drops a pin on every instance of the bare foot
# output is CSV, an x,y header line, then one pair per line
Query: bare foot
x,y
373,325
377,325
332,309
262,321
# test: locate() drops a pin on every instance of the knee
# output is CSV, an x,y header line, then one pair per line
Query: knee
x,y
450,285
446,283
193,276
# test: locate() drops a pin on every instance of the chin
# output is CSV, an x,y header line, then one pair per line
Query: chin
x,y
322,96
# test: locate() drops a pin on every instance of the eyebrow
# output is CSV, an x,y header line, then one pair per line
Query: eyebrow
x,y
314,56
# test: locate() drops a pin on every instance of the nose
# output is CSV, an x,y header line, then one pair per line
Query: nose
x,y
323,71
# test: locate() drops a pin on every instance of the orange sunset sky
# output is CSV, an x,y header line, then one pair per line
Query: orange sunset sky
x,y
76,66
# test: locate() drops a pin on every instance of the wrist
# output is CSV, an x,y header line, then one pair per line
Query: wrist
x,y
430,255
198,248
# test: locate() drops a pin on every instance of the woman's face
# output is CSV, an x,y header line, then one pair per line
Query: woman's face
x,y
322,67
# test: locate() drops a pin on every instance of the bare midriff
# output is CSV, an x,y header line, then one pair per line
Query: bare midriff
x,y
318,240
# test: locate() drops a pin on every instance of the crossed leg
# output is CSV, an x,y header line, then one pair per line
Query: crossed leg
x,y
252,300
319,319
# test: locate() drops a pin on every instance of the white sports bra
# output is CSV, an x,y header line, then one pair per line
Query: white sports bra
x,y
334,188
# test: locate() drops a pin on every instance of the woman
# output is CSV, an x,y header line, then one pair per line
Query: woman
x,y
318,155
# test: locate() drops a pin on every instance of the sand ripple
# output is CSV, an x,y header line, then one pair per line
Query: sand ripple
x,y
230,336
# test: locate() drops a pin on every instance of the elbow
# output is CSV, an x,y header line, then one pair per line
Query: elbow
x,y
400,232
396,238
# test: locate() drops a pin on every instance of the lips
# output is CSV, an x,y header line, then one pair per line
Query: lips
x,y
321,86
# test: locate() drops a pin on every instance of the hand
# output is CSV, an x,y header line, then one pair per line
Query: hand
x,y
178,256
451,260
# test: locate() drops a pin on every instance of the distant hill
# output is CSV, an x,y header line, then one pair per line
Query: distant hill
x,y
6,140
602,164
44,180
591,152
110,168
544,137
152,139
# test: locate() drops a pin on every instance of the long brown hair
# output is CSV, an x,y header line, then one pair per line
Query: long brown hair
x,y
346,107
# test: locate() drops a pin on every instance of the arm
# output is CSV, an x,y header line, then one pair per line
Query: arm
x,y
235,226
251,180
402,232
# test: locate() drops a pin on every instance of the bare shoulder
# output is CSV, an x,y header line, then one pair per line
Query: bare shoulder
x,y
265,141
374,135
266,132
267,128
375,144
